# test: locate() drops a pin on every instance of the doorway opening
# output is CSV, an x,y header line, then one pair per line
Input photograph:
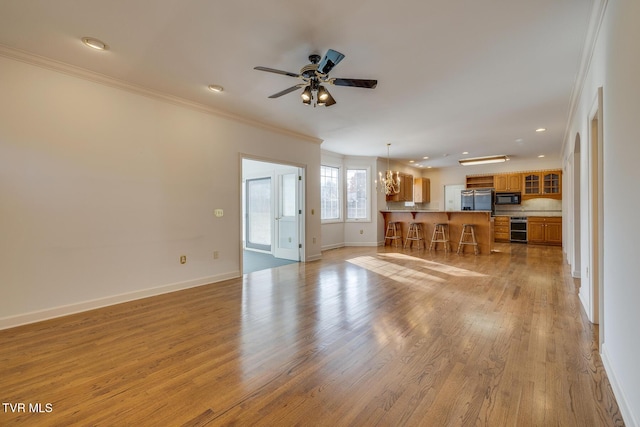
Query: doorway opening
x,y
272,214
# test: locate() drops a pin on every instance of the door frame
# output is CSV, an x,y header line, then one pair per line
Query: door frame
x,y
301,202
595,213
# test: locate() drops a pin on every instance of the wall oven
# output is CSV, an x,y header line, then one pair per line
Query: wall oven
x,y
519,229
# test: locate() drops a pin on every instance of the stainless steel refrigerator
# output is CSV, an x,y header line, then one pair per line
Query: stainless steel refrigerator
x,y
477,200
483,200
467,202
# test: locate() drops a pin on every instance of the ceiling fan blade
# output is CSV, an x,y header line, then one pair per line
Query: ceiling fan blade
x,y
368,84
329,61
273,70
286,91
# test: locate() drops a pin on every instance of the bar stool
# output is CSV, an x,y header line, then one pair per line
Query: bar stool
x,y
414,235
440,236
468,232
392,233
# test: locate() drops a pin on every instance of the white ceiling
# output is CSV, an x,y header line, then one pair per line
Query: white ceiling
x,y
453,76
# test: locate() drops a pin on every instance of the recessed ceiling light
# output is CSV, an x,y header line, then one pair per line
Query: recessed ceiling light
x,y
541,156
541,129
519,140
425,157
412,161
429,167
465,152
94,43
216,88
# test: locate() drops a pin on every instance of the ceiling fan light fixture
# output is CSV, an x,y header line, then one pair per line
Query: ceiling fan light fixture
x,y
483,160
306,95
323,94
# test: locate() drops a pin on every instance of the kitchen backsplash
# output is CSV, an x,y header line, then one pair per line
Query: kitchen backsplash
x,y
532,207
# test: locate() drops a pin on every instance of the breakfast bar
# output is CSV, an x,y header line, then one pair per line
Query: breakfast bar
x,y
482,222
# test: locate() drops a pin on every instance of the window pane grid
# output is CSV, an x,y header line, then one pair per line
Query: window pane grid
x,y
356,193
329,193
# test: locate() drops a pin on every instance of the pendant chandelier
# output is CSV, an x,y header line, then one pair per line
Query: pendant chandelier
x,y
390,184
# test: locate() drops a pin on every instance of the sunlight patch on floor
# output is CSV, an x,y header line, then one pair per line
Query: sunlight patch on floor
x,y
436,266
399,273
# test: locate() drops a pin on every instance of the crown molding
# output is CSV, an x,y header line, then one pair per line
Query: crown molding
x,y
591,38
81,73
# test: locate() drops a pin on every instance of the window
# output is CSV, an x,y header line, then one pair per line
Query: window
x,y
357,197
329,193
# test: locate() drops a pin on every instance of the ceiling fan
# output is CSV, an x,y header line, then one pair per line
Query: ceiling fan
x,y
315,75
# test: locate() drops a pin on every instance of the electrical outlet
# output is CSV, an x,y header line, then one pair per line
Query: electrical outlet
x,y
216,255
183,259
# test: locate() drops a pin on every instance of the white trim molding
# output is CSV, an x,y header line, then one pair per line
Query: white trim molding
x,y
51,313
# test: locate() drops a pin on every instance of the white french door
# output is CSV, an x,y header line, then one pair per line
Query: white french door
x,y
287,216
258,214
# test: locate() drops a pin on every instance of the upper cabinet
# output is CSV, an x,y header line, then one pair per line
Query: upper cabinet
x,y
406,189
480,181
534,184
508,182
542,184
421,190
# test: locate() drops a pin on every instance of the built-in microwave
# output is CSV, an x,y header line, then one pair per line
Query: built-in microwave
x,y
507,198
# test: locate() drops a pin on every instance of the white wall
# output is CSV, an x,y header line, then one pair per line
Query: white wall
x,y
614,65
621,201
102,189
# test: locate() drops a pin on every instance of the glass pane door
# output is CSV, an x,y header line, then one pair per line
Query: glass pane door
x,y
259,215
287,219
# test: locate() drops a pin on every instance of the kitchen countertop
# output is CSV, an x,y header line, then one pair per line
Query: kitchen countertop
x,y
430,210
527,214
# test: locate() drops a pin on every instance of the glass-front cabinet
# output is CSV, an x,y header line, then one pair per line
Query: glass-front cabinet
x,y
542,184
532,183
551,183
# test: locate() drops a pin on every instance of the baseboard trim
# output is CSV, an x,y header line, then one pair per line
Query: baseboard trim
x,y
628,415
585,304
312,258
334,246
361,244
65,310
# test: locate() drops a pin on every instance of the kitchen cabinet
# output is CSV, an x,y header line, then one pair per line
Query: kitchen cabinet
x,y
551,183
546,184
508,182
479,181
405,194
544,230
501,231
421,190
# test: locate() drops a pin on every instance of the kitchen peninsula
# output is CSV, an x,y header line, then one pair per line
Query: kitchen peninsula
x,y
481,220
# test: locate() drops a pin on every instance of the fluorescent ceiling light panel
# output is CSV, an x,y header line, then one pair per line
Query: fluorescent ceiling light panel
x,y
482,160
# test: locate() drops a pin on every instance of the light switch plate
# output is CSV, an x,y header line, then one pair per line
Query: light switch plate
x,y
218,212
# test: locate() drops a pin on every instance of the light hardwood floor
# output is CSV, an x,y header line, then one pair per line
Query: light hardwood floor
x,y
367,336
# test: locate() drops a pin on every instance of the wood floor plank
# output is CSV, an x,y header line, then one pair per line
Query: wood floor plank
x,y
364,337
